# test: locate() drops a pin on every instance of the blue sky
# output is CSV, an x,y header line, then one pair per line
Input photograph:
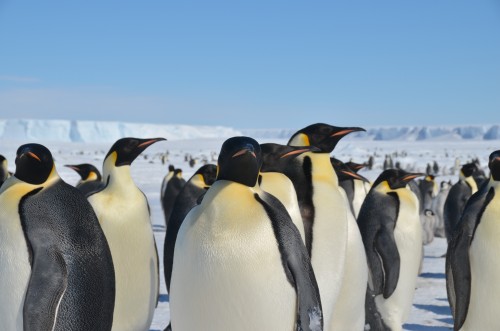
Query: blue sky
x,y
252,64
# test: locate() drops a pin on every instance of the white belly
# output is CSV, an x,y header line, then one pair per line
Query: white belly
x,y
15,269
227,271
282,188
130,238
485,272
349,313
329,244
408,235
359,196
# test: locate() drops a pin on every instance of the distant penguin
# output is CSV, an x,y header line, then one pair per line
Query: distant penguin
x,y
457,197
164,183
437,208
188,197
91,180
352,183
275,159
472,266
50,234
332,235
172,189
240,247
4,171
390,226
428,221
428,190
123,212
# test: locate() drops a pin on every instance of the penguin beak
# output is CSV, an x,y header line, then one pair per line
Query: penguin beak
x,y
33,155
148,142
355,175
244,151
299,151
346,131
72,167
409,177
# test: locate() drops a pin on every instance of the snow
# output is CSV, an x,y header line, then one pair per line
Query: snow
x,y
430,310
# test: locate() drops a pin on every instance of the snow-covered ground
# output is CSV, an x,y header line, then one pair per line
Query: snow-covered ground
x,y
430,310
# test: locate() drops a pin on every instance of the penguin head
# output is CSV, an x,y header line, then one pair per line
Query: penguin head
x,y
321,135
355,166
396,178
171,168
276,157
178,173
208,172
344,172
85,170
494,165
34,163
468,169
239,161
126,150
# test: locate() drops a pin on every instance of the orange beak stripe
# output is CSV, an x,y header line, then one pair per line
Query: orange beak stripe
x,y
298,151
33,155
342,133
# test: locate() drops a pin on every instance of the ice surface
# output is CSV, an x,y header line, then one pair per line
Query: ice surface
x,y
107,132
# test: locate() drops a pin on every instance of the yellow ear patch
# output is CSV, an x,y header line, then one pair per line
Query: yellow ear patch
x,y
300,140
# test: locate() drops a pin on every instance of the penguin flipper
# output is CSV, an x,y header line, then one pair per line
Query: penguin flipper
x,y
386,247
296,263
46,287
459,278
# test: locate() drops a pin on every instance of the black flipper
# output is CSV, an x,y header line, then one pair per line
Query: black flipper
x,y
296,263
458,279
46,287
376,226
386,247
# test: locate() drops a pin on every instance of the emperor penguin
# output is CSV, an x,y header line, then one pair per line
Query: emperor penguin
x,y
91,179
472,268
123,212
4,171
332,235
189,196
165,180
275,159
57,270
457,197
172,190
392,235
239,261
352,183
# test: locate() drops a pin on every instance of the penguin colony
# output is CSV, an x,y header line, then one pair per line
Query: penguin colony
x,y
271,237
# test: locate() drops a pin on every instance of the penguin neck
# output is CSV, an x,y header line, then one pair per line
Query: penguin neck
x,y
493,184
322,169
472,183
119,177
198,181
92,176
4,172
26,187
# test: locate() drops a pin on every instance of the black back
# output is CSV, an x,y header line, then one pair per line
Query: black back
x,y
91,187
174,187
70,257
454,205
